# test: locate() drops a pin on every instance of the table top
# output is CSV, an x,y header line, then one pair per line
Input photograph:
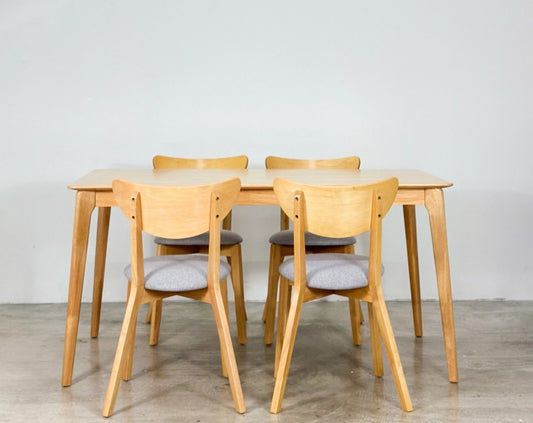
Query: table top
x,y
258,179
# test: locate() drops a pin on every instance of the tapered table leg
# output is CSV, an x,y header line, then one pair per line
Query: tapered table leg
x,y
99,267
434,202
85,203
409,217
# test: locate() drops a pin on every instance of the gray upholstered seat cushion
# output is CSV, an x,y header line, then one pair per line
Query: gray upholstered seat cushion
x,y
177,273
311,240
331,271
226,238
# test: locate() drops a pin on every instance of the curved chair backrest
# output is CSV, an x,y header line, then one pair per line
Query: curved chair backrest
x,y
351,162
274,162
166,162
175,211
336,211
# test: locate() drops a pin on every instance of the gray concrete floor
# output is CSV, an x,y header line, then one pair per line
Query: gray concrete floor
x,y
330,379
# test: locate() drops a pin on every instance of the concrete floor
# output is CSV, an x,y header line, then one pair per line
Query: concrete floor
x,y
330,379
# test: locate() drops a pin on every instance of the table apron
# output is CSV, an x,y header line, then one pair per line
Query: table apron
x,y
266,197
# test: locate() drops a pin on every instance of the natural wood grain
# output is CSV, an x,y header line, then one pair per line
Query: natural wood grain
x,y
102,232
279,252
101,180
167,162
85,202
232,252
256,189
409,215
153,209
437,221
337,212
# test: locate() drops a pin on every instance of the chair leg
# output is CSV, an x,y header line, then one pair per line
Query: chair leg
x,y
149,312
157,310
161,250
375,342
283,310
269,313
382,317
129,349
226,347
355,319
224,294
286,352
235,260
126,335
350,249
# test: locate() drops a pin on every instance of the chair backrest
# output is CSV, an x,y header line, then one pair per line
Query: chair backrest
x,y
166,162
335,211
233,162
351,162
274,162
175,211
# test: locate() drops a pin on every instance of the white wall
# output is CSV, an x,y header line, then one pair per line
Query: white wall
x,y
442,86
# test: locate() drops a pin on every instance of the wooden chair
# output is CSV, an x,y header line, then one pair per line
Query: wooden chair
x,y
230,242
335,212
165,211
281,243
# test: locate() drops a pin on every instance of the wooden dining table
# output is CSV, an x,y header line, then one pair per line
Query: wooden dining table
x,y
415,188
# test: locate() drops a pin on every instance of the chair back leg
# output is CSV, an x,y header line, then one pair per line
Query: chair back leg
x,y
385,328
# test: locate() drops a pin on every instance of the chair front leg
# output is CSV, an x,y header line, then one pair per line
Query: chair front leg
x,y
382,317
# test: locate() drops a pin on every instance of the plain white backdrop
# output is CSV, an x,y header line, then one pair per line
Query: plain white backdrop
x,y
441,86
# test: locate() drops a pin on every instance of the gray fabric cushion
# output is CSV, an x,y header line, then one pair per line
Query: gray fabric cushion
x,y
331,271
226,238
311,240
177,273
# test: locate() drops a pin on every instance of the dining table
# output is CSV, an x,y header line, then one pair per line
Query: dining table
x,y
94,190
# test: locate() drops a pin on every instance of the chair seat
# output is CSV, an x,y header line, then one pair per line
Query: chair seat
x,y
331,271
311,240
226,238
177,273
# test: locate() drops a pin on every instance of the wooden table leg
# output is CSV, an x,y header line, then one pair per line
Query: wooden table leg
x,y
99,267
409,217
85,203
434,202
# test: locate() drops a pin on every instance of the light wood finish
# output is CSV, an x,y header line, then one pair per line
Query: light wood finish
x,y
337,212
350,162
85,202
409,215
94,190
435,206
166,212
279,252
102,233
232,252
167,162
254,180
